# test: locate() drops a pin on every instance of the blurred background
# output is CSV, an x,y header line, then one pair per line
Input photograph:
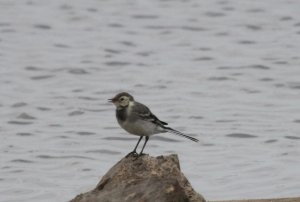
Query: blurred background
x,y
224,71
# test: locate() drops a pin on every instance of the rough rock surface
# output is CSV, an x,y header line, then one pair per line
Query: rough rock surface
x,y
143,179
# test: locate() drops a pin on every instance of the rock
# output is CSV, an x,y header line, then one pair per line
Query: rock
x,y
143,179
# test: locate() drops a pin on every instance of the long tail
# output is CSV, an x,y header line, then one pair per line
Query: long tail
x,y
176,132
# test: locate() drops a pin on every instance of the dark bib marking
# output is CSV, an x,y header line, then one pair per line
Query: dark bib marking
x,y
121,114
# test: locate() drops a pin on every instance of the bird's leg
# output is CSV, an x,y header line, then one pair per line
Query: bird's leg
x,y
147,138
134,153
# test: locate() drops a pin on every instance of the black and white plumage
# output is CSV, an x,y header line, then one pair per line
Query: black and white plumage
x,y
137,119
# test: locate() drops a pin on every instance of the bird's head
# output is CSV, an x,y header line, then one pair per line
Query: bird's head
x,y
121,100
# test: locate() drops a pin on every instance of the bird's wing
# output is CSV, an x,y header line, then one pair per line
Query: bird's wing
x,y
144,113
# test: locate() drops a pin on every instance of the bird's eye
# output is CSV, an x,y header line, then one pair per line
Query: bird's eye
x,y
121,98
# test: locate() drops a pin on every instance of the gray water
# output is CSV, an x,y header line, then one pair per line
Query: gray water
x,y
224,71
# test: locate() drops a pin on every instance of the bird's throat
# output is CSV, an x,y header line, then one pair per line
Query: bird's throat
x,y
121,113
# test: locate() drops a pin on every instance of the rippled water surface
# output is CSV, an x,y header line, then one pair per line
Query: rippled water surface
x,y
224,71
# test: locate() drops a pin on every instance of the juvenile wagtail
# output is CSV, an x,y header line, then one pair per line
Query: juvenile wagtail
x,y
137,119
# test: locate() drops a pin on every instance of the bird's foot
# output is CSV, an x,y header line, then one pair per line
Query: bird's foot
x,y
133,154
138,155
142,154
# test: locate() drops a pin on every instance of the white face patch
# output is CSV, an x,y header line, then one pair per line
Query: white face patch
x,y
123,101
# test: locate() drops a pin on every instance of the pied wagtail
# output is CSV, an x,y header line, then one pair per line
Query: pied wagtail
x,y
137,119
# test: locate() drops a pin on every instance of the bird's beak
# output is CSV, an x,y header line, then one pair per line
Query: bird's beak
x,y
110,100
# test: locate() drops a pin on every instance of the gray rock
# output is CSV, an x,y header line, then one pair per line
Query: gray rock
x,y
143,179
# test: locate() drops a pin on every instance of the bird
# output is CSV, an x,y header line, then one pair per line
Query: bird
x,y
137,119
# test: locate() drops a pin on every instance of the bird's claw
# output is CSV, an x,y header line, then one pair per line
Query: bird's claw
x,y
138,155
133,154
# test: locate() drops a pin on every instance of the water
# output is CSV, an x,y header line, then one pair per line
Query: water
x,y
224,71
